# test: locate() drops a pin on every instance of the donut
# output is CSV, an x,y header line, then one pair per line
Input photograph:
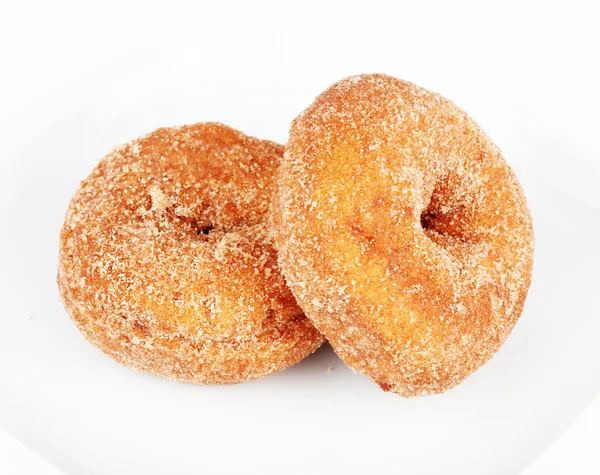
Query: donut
x,y
402,232
166,262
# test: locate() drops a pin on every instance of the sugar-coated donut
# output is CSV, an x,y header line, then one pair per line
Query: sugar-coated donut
x,y
402,232
166,263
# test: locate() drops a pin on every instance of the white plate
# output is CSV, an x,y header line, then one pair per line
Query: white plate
x,y
90,415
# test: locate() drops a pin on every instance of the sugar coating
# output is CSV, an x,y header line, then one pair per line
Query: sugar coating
x,y
166,263
402,232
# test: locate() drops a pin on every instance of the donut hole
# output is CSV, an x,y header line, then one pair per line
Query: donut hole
x,y
427,219
439,210
449,213
436,225
204,230
198,227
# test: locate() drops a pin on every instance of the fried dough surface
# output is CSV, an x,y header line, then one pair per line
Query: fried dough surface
x,y
166,263
402,232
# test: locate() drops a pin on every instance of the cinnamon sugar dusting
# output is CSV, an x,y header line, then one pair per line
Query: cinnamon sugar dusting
x,y
166,263
402,232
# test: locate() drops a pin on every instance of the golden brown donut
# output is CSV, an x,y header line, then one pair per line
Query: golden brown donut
x,y
402,232
165,261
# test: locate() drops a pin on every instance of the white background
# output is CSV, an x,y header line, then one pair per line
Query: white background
x,y
542,57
